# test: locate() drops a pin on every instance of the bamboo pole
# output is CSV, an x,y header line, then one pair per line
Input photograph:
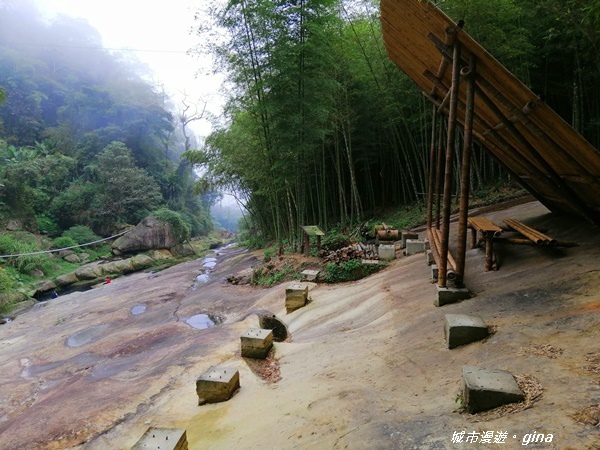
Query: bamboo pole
x,y
451,135
439,179
531,233
437,237
434,240
432,165
461,252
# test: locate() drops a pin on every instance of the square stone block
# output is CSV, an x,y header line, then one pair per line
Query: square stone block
x,y
387,252
408,235
448,295
485,389
163,439
296,296
434,272
309,275
217,385
256,343
461,329
430,258
414,246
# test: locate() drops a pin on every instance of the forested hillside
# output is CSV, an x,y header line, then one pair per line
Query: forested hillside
x,y
85,138
324,129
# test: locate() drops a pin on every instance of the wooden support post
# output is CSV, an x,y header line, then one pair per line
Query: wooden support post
x,y
489,252
432,165
473,238
306,245
461,251
439,177
442,278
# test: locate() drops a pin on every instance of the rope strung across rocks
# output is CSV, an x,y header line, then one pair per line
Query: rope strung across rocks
x,y
64,248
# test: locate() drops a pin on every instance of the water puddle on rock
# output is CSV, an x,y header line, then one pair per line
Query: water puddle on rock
x,y
202,278
86,336
138,309
203,321
210,263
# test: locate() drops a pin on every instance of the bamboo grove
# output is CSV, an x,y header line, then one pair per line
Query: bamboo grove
x,y
322,128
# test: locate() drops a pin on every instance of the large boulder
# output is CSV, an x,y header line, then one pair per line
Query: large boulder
x,y
66,279
72,258
89,272
150,234
45,286
183,249
140,262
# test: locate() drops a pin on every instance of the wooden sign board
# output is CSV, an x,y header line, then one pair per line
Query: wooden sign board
x,y
313,230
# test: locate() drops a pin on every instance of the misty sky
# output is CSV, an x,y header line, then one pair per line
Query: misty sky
x,y
161,33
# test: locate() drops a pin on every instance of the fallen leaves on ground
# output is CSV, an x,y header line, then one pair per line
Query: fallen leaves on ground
x,y
541,350
532,389
588,416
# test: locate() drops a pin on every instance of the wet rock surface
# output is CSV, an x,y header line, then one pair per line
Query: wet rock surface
x,y
367,366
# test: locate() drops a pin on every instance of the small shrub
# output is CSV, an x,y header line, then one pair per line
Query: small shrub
x,y
26,262
334,241
348,271
270,252
267,276
81,234
178,225
98,252
46,224
6,281
64,242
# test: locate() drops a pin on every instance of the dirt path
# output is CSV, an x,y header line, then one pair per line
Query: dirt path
x,y
366,366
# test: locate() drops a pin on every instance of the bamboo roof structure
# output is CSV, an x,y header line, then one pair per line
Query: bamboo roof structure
x,y
548,157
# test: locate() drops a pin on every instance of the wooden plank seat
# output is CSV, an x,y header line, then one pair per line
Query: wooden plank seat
x,y
488,230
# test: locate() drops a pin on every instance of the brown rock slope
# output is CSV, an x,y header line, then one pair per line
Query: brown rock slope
x,y
366,366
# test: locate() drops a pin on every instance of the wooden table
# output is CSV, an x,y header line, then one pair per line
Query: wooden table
x,y
488,231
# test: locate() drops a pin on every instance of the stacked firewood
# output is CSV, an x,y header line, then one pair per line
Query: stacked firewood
x,y
354,251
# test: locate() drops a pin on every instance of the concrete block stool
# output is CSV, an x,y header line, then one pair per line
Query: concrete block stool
x,y
296,296
461,329
387,251
256,343
485,389
163,439
309,275
414,246
408,235
447,295
217,385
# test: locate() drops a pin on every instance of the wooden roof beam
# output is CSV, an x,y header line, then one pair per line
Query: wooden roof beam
x,y
521,116
577,202
445,47
503,152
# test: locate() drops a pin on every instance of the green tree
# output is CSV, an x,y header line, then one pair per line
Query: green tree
x,y
125,192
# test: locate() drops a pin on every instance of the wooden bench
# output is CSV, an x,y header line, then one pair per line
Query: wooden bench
x,y
488,231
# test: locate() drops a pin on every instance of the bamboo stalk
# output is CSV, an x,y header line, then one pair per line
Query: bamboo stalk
x,y
445,231
438,241
432,161
450,273
461,251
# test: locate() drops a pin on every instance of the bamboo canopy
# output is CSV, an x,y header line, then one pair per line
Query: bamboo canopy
x,y
548,157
